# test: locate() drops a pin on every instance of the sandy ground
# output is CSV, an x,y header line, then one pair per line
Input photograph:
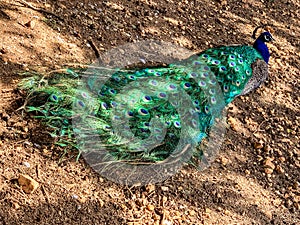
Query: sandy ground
x,y
255,178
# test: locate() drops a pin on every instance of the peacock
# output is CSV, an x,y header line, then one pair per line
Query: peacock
x,y
141,116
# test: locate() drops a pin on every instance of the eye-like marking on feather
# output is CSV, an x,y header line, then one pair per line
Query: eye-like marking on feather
x,y
222,69
54,98
213,100
212,91
129,114
192,75
205,56
131,77
204,75
206,109
216,62
80,103
153,82
225,88
202,83
171,87
186,85
177,124
232,64
104,105
113,104
147,99
162,95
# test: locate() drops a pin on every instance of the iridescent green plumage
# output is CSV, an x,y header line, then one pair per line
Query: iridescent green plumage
x,y
138,114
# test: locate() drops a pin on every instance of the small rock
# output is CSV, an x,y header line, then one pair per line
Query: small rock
x,y
16,205
268,171
30,24
166,222
247,172
233,123
164,188
224,161
82,200
192,213
267,148
150,188
279,169
269,214
296,198
207,210
150,207
258,145
101,203
75,196
259,158
27,184
281,159
227,212
268,163
27,164
223,2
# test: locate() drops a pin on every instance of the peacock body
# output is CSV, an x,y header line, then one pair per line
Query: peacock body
x,y
143,114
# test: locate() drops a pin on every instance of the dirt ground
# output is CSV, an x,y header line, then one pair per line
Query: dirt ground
x,y
254,180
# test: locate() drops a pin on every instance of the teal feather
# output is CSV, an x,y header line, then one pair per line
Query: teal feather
x,y
61,97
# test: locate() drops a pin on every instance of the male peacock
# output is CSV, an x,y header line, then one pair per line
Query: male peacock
x,y
146,125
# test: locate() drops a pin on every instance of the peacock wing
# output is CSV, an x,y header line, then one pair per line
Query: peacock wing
x,y
259,75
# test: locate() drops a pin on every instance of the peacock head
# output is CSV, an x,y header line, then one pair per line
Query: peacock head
x,y
260,42
266,37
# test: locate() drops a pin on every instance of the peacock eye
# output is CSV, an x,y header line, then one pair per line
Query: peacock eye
x,y
267,38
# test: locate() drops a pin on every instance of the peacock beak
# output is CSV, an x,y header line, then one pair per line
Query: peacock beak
x,y
272,39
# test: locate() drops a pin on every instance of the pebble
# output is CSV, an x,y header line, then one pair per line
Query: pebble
x,y
268,171
281,159
207,210
30,24
227,212
75,196
268,163
164,188
269,214
192,213
150,188
224,161
279,169
28,184
150,207
166,222
258,145
27,164
15,205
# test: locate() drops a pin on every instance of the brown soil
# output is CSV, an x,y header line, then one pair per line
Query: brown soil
x,y
237,189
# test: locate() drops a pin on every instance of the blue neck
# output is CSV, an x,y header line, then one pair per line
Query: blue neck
x,y
262,48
